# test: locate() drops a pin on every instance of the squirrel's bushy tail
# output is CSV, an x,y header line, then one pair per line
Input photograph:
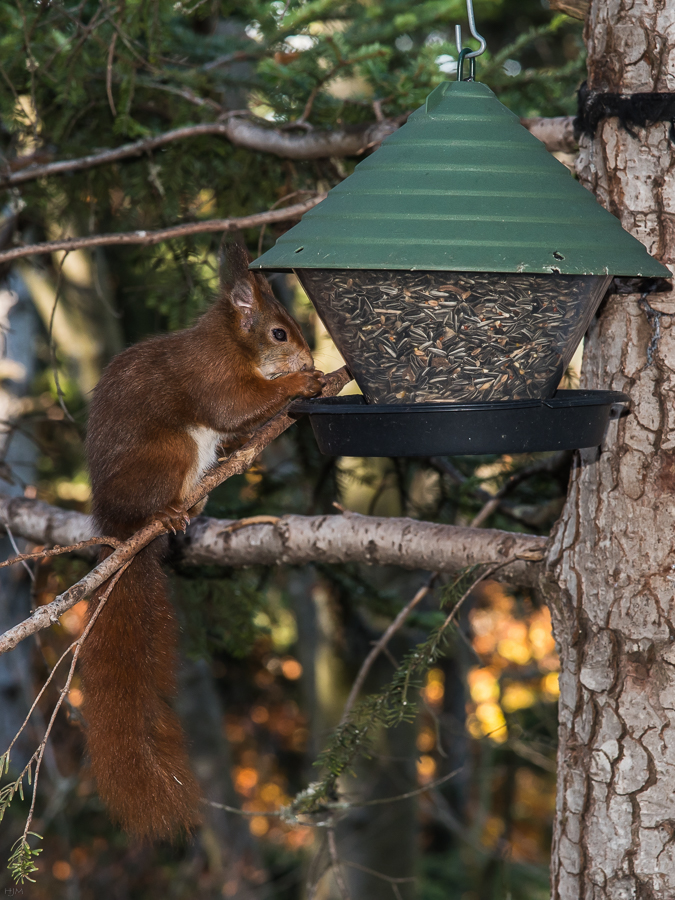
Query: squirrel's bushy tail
x,y
135,740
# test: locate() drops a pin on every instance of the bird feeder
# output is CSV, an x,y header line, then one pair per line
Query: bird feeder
x,y
457,269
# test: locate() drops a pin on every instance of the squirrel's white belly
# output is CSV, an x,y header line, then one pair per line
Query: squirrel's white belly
x,y
206,441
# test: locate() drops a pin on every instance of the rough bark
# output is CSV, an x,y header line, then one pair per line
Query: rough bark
x,y
297,540
611,562
294,540
557,133
631,46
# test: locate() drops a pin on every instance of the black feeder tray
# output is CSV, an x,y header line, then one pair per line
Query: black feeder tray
x,y
348,426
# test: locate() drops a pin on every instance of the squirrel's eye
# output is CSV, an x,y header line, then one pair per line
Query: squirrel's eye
x,y
279,334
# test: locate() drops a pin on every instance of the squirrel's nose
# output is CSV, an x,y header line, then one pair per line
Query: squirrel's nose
x,y
308,361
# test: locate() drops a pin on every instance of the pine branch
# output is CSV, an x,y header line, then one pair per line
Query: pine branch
x,y
391,706
165,234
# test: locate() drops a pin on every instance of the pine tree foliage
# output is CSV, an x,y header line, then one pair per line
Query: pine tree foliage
x,y
397,703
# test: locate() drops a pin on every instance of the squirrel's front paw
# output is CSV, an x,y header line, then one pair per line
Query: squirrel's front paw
x,y
309,383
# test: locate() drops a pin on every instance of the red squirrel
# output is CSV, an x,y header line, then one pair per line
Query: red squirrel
x,y
158,415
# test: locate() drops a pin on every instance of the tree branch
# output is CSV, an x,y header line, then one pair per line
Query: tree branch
x,y
58,550
239,131
556,133
578,9
165,234
293,540
548,466
298,540
379,647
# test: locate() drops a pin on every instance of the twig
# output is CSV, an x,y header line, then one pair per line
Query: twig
x,y
41,692
353,865
493,502
105,157
437,722
39,753
108,75
183,92
52,345
455,609
251,520
227,58
19,558
415,793
549,465
236,464
287,810
320,145
310,103
165,234
337,867
318,866
272,813
380,645
57,550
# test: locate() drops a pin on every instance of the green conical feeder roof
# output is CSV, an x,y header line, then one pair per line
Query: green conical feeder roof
x,y
462,186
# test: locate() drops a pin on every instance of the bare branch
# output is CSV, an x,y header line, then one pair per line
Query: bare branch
x,y
286,812
59,551
336,866
236,464
126,238
577,9
545,466
556,133
236,129
353,865
414,793
76,647
379,647
297,540
108,75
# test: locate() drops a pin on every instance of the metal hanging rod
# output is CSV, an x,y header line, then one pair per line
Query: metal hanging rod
x,y
464,52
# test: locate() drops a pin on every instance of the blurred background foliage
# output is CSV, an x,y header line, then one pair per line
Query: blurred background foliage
x,y
270,653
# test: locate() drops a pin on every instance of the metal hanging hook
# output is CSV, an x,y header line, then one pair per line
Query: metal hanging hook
x,y
465,53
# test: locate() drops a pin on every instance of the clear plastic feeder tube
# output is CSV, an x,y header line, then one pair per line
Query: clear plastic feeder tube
x,y
419,337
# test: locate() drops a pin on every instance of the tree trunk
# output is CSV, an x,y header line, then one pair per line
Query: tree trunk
x,y
611,575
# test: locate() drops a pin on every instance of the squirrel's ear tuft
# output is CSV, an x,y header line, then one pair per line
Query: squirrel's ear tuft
x,y
237,283
234,260
242,297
